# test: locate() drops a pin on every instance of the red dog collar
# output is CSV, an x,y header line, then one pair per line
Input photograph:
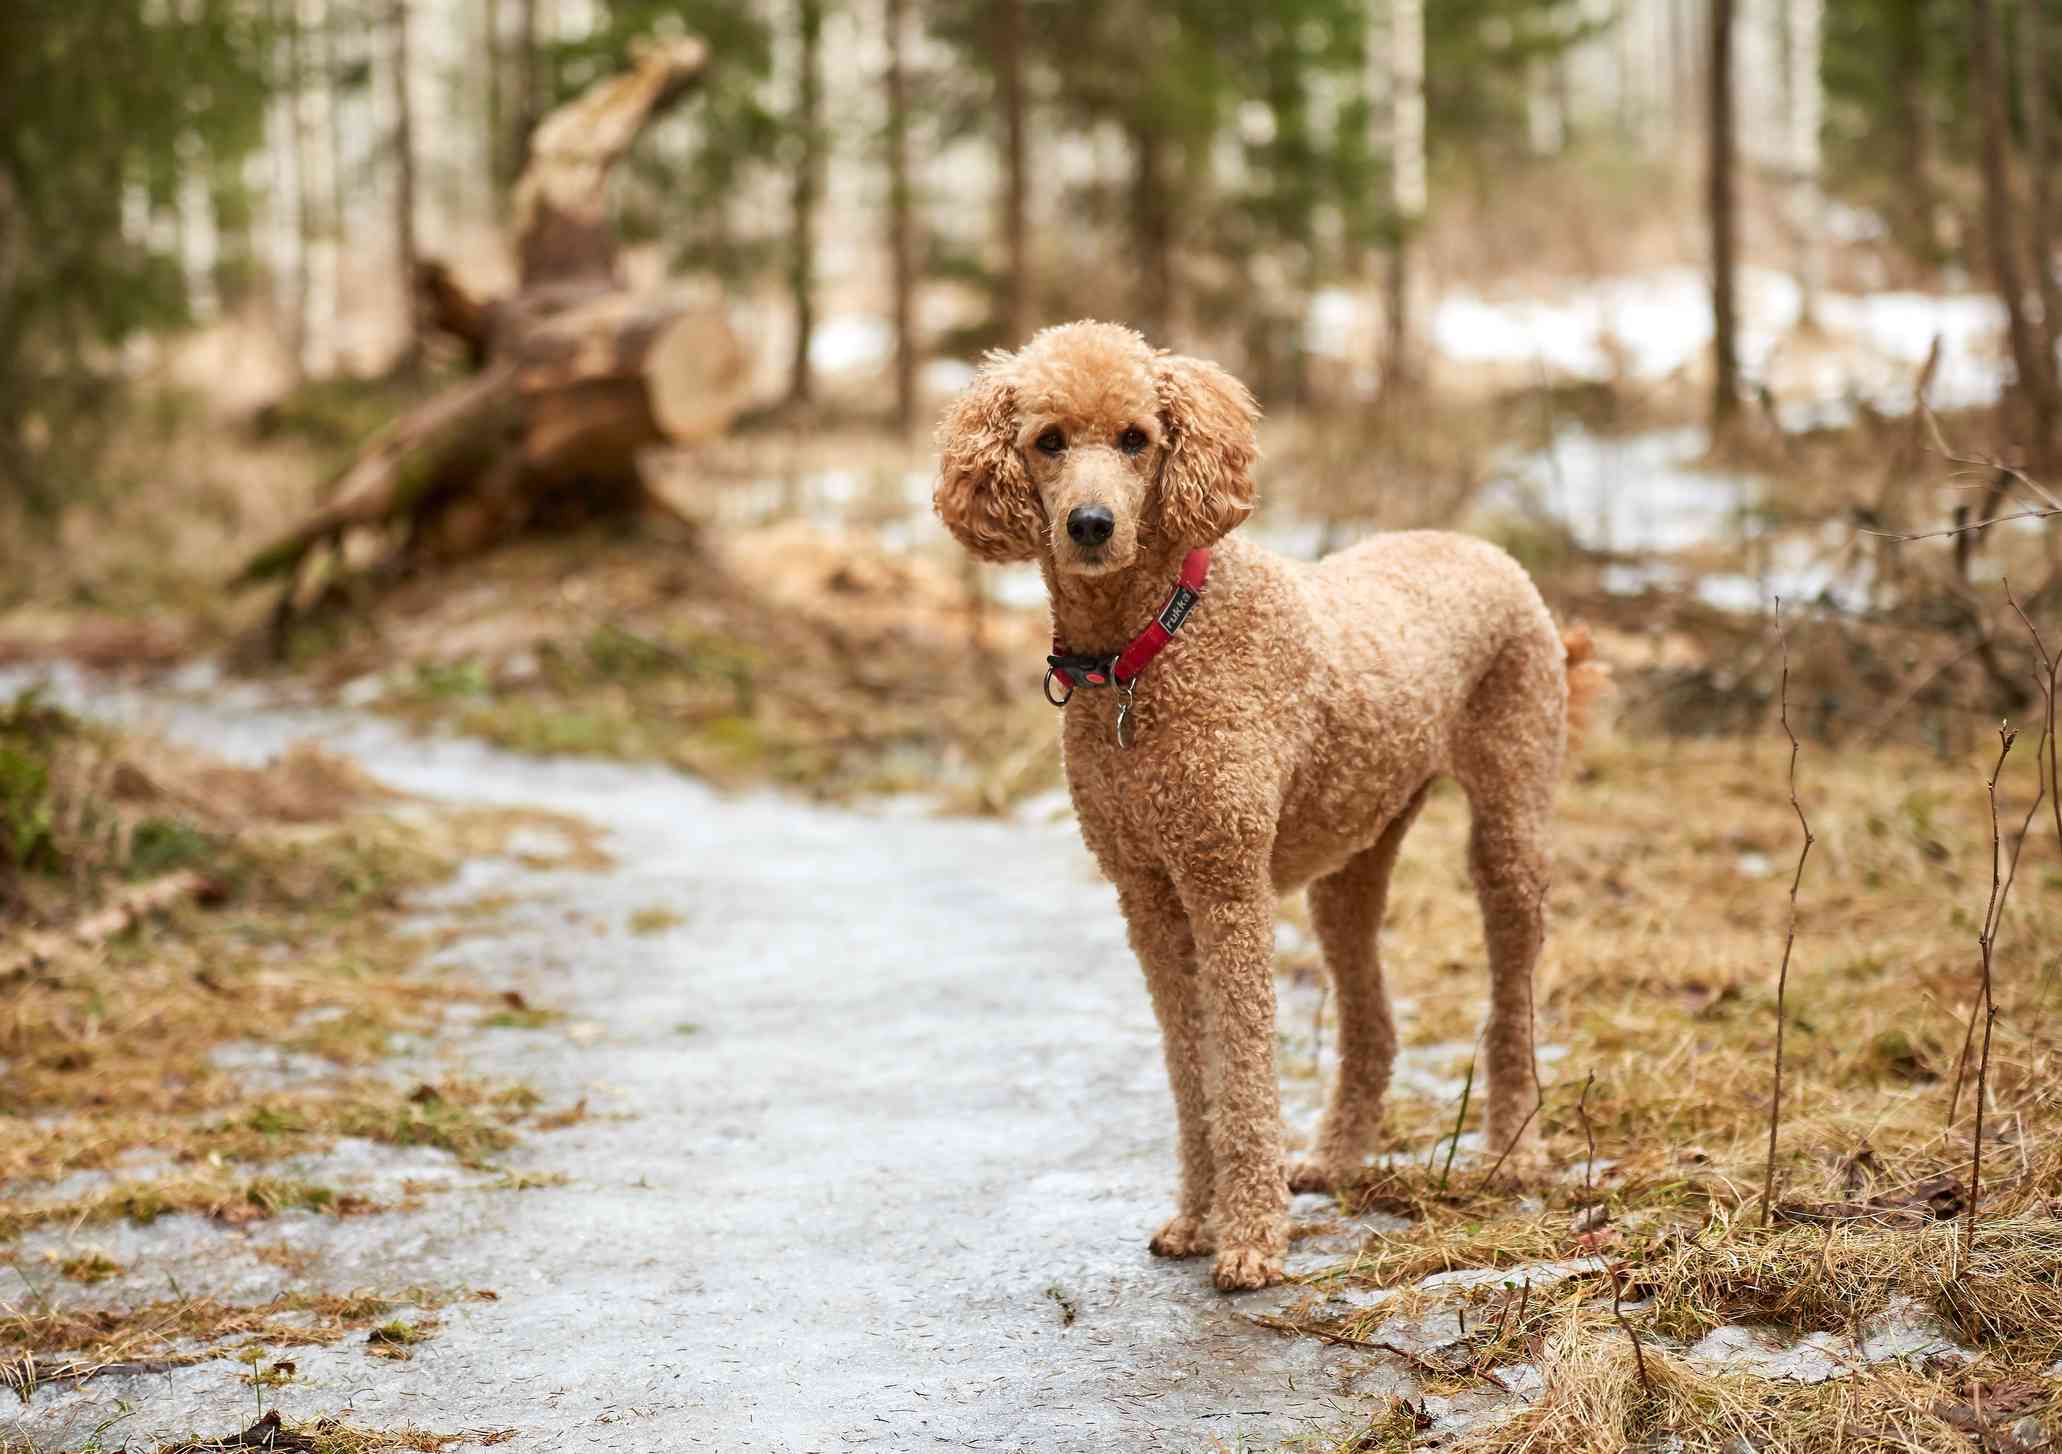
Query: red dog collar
x,y
1074,672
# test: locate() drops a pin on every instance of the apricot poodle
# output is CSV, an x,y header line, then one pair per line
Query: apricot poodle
x,y
1283,734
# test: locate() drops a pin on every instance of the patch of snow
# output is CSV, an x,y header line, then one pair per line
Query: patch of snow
x,y
1652,325
946,375
848,341
1903,1331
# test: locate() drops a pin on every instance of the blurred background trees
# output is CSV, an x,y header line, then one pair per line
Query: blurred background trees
x,y
126,202
1203,168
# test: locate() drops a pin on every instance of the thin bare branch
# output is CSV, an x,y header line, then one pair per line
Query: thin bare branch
x,y
1775,1103
1986,942
1589,1137
1965,529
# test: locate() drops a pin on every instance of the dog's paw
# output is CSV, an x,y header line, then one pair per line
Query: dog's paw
x,y
1310,1174
1183,1236
1241,1269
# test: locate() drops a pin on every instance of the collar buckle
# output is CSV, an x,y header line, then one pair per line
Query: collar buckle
x,y
1076,672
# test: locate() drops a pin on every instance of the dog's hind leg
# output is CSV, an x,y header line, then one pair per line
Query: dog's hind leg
x,y
1166,950
1346,909
1507,756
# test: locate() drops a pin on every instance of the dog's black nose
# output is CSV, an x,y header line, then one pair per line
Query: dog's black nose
x,y
1090,524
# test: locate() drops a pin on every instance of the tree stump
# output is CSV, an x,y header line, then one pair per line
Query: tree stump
x,y
577,376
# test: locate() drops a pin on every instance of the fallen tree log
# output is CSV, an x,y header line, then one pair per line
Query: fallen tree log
x,y
578,376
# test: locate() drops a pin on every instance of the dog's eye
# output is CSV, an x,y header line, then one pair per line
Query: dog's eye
x,y
1132,440
1052,441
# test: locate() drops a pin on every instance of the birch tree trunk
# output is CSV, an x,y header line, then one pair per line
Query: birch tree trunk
x,y
1720,160
1806,110
1407,166
901,259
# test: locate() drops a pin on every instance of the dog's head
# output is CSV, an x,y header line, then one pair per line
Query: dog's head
x,y
1091,447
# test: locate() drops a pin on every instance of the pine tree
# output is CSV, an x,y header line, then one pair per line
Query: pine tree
x,y
149,92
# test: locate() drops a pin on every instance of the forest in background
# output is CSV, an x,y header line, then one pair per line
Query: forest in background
x,y
1199,168
265,269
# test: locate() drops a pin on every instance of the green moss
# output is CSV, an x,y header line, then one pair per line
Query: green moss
x,y
161,845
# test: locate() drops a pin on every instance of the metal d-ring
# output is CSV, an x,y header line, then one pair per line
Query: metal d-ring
x,y
1125,692
1050,672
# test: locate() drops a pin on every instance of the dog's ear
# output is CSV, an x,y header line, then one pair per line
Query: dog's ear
x,y
1206,487
984,496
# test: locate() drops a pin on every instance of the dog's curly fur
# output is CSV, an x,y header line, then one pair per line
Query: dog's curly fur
x,y
1287,736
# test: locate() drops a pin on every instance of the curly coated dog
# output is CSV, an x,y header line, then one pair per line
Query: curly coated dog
x,y
1284,734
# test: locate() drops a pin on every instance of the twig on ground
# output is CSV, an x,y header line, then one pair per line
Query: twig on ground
x,y
1339,1340
1775,1104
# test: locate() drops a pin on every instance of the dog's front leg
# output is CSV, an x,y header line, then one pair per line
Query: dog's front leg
x,y
1234,927
1166,950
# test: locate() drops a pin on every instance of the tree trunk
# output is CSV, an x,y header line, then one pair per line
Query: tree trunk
x,y
491,62
561,199
1407,170
333,51
307,207
1018,316
1152,232
2033,353
901,257
406,258
808,187
1719,142
300,293
529,74
2040,222
1806,108
1920,213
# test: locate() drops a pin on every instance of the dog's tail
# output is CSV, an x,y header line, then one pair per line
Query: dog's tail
x,y
1588,680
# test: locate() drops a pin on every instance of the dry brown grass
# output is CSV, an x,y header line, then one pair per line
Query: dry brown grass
x,y
835,668
1670,904
138,1043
